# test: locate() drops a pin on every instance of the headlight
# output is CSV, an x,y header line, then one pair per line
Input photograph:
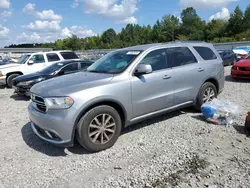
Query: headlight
x,y
31,81
59,102
39,79
1,74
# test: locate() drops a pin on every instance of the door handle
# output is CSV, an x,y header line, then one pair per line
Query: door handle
x,y
200,70
166,77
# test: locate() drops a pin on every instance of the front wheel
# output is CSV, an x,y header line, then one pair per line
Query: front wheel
x,y
207,93
10,79
99,128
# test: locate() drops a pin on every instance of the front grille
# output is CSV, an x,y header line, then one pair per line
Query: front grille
x,y
39,103
244,68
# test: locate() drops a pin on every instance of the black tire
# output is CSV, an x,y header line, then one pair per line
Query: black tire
x,y
82,132
10,78
204,87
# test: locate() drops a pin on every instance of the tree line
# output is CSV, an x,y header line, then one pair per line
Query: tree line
x,y
169,28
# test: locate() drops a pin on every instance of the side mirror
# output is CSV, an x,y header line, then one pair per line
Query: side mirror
x,y
31,62
143,69
243,57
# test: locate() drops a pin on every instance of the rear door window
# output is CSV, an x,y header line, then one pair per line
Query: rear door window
x,y
205,52
85,65
52,57
73,67
69,55
180,56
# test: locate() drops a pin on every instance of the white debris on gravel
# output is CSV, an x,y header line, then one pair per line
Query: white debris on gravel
x,y
174,150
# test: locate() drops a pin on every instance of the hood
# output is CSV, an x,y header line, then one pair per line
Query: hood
x,y
243,63
9,65
28,77
65,85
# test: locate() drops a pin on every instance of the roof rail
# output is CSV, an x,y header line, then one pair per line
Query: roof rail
x,y
187,41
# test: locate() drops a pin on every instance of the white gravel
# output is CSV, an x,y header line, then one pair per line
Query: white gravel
x,y
177,149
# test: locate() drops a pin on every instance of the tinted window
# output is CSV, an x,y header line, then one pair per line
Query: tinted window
x,y
84,65
70,68
157,59
180,56
52,68
37,59
53,57
69,55
205,52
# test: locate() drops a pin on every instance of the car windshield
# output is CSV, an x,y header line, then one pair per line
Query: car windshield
x,y
52,68
114,62
23,59
248,57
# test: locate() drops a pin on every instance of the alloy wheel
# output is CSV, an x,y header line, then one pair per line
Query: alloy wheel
x,y
102,128
208,95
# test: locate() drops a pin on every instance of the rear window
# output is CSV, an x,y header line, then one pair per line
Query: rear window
x,y
52,57
205,52
69,55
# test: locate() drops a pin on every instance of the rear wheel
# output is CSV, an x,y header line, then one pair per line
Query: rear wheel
x,y
207,93
10,79
99,128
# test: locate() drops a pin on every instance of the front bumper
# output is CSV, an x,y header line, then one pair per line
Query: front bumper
x,y
22,90
55,126
3,80
240,74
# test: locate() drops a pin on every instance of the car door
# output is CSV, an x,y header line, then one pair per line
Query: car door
x,y
34,64
152,92
186,74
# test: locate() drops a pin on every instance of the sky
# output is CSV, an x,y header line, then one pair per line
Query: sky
x,y
35,21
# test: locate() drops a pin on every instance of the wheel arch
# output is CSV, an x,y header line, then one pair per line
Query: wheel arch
x,y
213,81
15,72
110,102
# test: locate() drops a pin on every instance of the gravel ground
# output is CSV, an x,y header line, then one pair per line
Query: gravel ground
x,y
174,150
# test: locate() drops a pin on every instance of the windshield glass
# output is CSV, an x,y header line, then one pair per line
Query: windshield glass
x,y
23,59
248,57
52,68
114,62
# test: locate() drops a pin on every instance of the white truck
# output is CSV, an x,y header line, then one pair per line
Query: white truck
x,y
32,63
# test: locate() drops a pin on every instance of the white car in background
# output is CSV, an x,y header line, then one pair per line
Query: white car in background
x,y
32,63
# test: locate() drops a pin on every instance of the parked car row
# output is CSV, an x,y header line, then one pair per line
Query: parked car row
x,y
32,63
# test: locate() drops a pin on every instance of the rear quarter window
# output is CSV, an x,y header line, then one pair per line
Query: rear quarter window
x,y
205,52
52,57
69,55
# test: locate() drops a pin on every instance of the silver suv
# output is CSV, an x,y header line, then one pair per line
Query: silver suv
x,y
124,87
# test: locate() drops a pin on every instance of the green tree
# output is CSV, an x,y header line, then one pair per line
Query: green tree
x,y
215,29
73,43
158,33
170,26
235,23
246,19
108,37
192,25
